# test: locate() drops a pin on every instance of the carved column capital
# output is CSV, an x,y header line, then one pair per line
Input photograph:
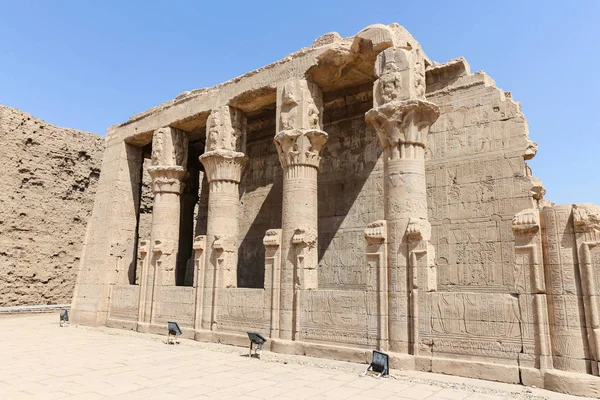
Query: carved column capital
x,y
402,126
166,179
224,159
299,140
300,147
223,165
169,160
401,116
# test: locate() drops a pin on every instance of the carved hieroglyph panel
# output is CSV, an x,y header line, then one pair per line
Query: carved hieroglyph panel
x,y
476,324
336,316
565,303
124,301
175,303
244,309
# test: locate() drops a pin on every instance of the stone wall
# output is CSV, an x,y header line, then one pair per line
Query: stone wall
x,y
49,180
385,202
477,182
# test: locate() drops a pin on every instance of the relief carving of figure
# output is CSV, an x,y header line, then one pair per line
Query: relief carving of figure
x,y
289,103
313,115
213,131
390,82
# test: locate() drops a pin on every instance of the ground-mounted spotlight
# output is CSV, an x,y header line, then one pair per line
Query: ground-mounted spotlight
x,y
174,330
380,364
64,317
258,340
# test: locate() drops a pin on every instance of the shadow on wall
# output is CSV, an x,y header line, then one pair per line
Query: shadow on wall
x,y
251,253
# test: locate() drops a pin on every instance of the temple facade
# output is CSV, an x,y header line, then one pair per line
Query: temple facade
x,y
353,196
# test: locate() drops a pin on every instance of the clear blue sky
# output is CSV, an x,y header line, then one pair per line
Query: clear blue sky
x,y
92,64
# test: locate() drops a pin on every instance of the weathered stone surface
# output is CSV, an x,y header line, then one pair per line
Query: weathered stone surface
x,y
49,177
350,196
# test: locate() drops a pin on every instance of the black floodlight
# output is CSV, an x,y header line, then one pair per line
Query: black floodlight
x,y
64,317
258,340
174,330
380,364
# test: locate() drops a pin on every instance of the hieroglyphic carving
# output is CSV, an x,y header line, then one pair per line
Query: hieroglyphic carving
x,y
175,303
335,316
529,278
124,302
243,309
421,273
586,221
565,301
476,324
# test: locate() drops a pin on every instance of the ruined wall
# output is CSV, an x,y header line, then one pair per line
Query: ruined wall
x,y
49,179
476,182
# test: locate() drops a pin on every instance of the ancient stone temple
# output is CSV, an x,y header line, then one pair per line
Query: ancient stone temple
x,y
353,196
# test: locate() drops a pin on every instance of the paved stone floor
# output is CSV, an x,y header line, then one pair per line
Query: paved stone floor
x,y
43,361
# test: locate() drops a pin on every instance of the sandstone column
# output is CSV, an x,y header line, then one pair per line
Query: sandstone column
x,y
299,141
223,161
402,118
169,160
